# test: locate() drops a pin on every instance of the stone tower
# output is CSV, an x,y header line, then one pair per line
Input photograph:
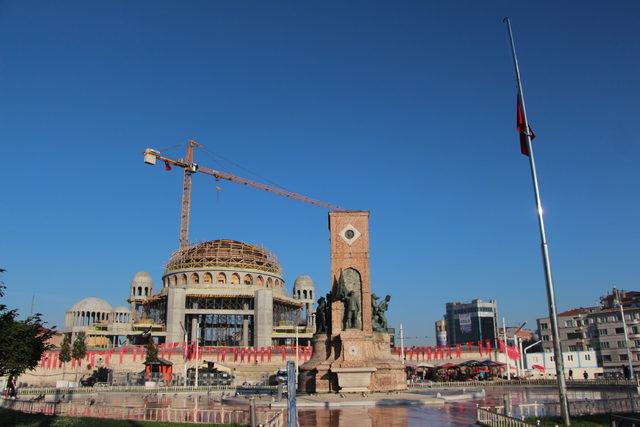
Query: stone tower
x,y
348,355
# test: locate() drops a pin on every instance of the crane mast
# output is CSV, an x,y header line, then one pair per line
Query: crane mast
x,y
151,156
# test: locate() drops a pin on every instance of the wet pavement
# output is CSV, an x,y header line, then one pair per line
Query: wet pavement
x,y
447,414
423,409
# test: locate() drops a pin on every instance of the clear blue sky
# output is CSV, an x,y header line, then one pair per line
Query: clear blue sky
x,y
406,109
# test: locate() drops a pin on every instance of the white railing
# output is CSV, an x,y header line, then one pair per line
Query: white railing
x,y
552,409
487,417
578,407
270,418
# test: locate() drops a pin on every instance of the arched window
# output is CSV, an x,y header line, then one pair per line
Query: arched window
x,y
260,281
146,292
235,279
222,278
139,290
207,278
133,291
311,294
304,294
269,282
172,280
277,282
298,293
248,280
195,279
182,279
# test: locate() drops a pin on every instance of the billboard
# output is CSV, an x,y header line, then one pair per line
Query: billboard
x,y
465,323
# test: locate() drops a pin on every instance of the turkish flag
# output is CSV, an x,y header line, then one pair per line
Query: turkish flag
x,y
521,128
513,352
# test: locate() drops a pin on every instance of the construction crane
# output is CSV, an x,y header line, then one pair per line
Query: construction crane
x,y
152,156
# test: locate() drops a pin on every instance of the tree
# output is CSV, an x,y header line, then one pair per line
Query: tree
x,y
79,350
65,352
151,352
22,342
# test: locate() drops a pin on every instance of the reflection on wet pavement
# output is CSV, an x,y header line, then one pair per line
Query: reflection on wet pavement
x,y
448,414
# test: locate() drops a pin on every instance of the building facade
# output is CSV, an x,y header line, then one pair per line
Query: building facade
x,y
220,293
576,364
573,327
600,329
471,322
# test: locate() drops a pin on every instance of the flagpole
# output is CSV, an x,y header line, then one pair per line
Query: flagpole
x,y
557,350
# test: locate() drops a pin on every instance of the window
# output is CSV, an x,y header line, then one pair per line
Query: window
x,y
622,344
304,294
248,280
623,357
637,343
182,279
568,323
578,322
544,326
235,279
574,335
602,331
619,331
606,358
269,282
545,338
573,348
260,281
604,344
587,357
195,279
634,330
570,357
222,278
207,278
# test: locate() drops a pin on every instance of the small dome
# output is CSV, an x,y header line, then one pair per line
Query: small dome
x,y
92,304
122,309
142,278
303,282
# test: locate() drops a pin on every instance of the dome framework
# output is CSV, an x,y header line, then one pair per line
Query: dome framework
x,y
224,254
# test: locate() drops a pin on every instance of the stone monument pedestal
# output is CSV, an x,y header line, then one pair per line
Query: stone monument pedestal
x,y
352,362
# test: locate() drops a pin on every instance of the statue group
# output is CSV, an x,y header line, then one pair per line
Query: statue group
x,y
352,316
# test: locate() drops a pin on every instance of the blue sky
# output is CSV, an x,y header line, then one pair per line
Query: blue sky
x,y
405,109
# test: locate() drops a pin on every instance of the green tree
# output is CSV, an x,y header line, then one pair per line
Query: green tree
x,y
22,342
79,350
65,352
151,352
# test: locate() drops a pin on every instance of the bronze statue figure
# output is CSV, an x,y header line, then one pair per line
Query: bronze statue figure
x,y
378,317
351,312
321,316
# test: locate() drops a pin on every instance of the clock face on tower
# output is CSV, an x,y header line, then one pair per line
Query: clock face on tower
x,y
349,234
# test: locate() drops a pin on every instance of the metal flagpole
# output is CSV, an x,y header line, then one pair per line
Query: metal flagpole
x,y
557,350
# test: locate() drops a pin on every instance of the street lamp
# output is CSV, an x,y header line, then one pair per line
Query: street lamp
x,y
519,362
528,347
617,299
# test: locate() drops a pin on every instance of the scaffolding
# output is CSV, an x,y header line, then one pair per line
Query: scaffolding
x,y
224,254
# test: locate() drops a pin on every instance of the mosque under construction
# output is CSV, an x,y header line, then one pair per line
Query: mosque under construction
x,y
219,293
